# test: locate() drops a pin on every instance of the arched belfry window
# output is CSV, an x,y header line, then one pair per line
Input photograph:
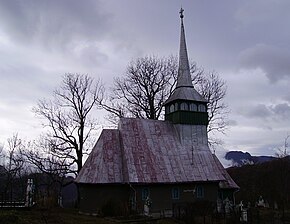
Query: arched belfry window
x,y
171,108
193,107
183,106
166,109
176,106
201,108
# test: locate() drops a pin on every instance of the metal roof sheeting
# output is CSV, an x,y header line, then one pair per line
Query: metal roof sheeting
x,y
104,164
148,151
185,93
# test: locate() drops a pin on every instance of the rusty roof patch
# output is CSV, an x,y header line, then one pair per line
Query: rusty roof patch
x,y
149,151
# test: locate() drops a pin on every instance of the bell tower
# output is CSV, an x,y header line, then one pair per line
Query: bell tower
x,y
185,105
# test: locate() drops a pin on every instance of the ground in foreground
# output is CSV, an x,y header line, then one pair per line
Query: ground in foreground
x,y
56,216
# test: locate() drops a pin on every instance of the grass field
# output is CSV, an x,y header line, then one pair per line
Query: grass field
x,y
56,216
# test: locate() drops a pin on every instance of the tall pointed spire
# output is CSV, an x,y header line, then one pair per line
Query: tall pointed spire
x,y
184,78
184,89
185,105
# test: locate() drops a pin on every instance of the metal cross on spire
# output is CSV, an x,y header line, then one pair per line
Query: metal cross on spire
x,y
181,13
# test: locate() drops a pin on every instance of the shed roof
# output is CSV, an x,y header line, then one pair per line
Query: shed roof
x,y
148,151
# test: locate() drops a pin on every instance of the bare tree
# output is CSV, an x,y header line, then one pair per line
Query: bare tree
x,y
149,81
142,91
214,89
284,174
283,150
40,155
68,121
13,164
49,170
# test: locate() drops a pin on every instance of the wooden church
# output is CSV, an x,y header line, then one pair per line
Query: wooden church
x,y
168,162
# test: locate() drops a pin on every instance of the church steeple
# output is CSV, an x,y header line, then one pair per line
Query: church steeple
x,y
184,78
185,105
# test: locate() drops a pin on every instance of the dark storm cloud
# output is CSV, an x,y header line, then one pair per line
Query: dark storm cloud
x,y
272,60
54,24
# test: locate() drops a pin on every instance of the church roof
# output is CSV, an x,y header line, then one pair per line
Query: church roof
x,y
149,151
184,89
104,164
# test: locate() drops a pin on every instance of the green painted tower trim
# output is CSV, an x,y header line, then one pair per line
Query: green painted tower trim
x,y
187,112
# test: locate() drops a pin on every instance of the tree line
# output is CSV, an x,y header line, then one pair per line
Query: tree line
x,y
271,180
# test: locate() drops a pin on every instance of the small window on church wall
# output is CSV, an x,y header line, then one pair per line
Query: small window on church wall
x,y
201,108
171,109
183,106
175,193
145,193
199,192
193,107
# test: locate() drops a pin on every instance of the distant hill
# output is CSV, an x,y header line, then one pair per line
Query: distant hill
x,y
239,158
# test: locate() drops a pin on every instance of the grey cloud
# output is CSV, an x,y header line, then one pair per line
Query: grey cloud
x,y
22,83
266,20
260,111
92,55
286,94
261,11
233,123
282,110
53,23
274,112
267,149
272,60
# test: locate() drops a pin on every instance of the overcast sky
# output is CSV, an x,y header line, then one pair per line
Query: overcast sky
x,y
246,42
